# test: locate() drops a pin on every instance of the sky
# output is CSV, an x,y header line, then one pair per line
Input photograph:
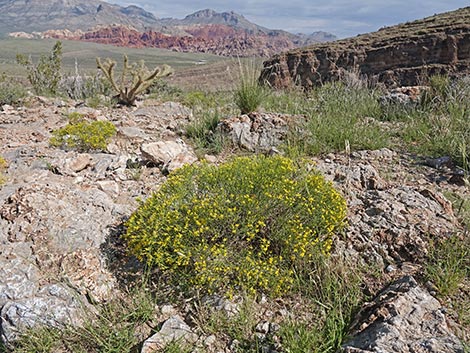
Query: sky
x,y
340,17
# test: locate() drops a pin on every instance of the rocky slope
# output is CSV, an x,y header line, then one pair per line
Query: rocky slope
x,y
397,56
61,213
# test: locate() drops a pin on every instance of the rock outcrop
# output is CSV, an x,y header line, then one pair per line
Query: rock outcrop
x,y
259,131
397,56
403,318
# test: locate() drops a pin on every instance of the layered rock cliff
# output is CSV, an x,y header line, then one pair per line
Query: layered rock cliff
x,y
397,56
215,39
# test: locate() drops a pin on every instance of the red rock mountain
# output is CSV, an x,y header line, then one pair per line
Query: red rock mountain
x,y
216,39
207,31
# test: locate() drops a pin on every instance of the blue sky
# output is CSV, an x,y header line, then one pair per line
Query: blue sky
x,y
341,17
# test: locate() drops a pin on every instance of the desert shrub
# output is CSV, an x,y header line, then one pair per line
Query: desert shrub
x,y
45,75
82,135
162,88
77,86
249,94
245,225
11,91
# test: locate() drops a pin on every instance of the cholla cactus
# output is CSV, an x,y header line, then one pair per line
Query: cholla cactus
x,y
134,80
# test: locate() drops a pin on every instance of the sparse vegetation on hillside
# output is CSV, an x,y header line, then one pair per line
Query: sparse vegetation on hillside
x,y
260,230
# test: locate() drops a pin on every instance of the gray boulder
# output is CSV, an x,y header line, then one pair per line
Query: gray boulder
x,y
170,155
173,330
259,131
403,318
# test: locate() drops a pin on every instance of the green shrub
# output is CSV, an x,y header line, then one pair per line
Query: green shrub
x,y
45,75
82,135
245,225
249,94
11,91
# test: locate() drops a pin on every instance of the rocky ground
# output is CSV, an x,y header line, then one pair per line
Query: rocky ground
x,y
61,213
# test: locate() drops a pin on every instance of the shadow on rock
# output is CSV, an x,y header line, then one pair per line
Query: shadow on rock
x,y
126,268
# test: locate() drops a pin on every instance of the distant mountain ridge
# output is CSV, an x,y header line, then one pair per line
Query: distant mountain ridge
x,y
225,33
42,15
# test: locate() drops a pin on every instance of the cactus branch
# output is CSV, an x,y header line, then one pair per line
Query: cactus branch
x,y
140,79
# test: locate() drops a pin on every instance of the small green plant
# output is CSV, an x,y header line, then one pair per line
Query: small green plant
x,y
45,75
245,225
249,94
331,288
439,89
11,91
176,347
114,327
449,264
82,135
135,78
203,132
238,326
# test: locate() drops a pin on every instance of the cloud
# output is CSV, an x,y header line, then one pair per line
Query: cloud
x,y
341,17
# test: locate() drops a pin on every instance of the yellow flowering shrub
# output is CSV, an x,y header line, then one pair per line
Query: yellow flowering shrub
x,y
244,225
3,166
82,135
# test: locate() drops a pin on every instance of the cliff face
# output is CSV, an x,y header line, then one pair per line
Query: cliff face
x,y
397,56
215,39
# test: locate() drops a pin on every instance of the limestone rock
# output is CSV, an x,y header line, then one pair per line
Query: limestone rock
x,y
403,318
259,131
79,163
406,96
170,154
53,305
173,329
